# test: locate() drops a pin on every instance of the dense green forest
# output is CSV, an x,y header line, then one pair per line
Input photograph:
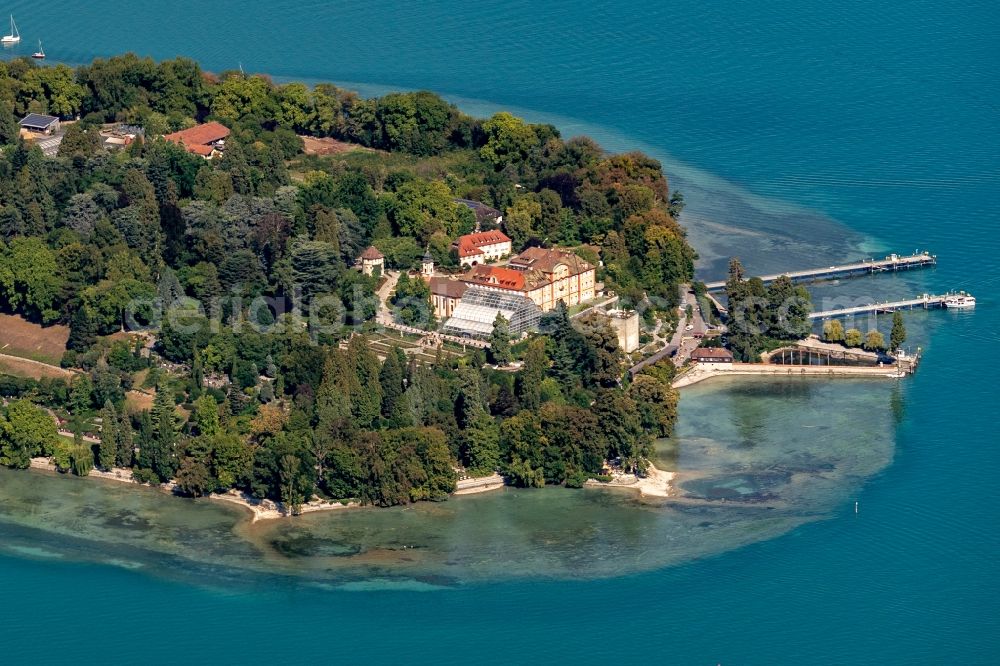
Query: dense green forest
x,y
240,270
763,317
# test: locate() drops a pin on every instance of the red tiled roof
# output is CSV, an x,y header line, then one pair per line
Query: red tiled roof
x,y
487,237
711,353
372,253
198,149
466,250
469,244
496,276
199,135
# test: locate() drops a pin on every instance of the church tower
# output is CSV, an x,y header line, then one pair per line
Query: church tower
x,y
427,264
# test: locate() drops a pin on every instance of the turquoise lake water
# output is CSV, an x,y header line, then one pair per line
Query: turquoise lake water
x,y
800,133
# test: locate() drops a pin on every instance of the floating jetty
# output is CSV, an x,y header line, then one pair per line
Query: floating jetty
x,y
926,301
891,263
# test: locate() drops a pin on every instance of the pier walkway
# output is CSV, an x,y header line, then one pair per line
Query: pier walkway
x,y
700,372
893,262
926,301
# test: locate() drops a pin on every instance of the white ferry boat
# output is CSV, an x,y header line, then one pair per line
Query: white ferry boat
x,y
960,302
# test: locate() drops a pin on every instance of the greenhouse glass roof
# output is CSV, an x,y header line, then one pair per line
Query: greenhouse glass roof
x,y
477,310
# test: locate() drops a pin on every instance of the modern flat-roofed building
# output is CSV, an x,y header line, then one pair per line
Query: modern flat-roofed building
x,y
37,123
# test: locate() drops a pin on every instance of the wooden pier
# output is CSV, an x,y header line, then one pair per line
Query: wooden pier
x,y
926,302
891,263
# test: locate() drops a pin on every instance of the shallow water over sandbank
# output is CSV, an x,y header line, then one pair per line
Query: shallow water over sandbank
x,y
753,459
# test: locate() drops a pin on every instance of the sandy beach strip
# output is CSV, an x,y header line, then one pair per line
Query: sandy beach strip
x,y
482,484
270,510
656,483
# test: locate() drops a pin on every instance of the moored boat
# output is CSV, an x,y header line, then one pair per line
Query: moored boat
x,y
40,53
960,302
14,37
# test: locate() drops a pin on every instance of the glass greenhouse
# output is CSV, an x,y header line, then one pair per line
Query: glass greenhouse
x,y
477,310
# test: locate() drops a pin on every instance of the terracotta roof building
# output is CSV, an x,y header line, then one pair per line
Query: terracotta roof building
x,y
500,277
544,276
371,259
445,294
712,355
482,247
204,140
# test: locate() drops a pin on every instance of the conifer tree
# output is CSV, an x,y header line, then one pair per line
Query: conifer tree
x,y
482,443
270,369
566,349
391,378
898,334
125,450
528,382
480,432
107,450
83,330
159,440
366,405
500,341
333,398
197,370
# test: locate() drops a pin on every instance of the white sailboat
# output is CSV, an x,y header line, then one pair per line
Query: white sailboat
x,y
40,53
14,37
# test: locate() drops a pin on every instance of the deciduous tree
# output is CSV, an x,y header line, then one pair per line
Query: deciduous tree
x,y
874,341
853,338
833,331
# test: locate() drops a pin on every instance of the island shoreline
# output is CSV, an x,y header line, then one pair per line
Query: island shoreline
x,y
656,483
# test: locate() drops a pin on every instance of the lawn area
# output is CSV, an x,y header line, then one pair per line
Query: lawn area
x,y
39,343
139,401
21,367
328,146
